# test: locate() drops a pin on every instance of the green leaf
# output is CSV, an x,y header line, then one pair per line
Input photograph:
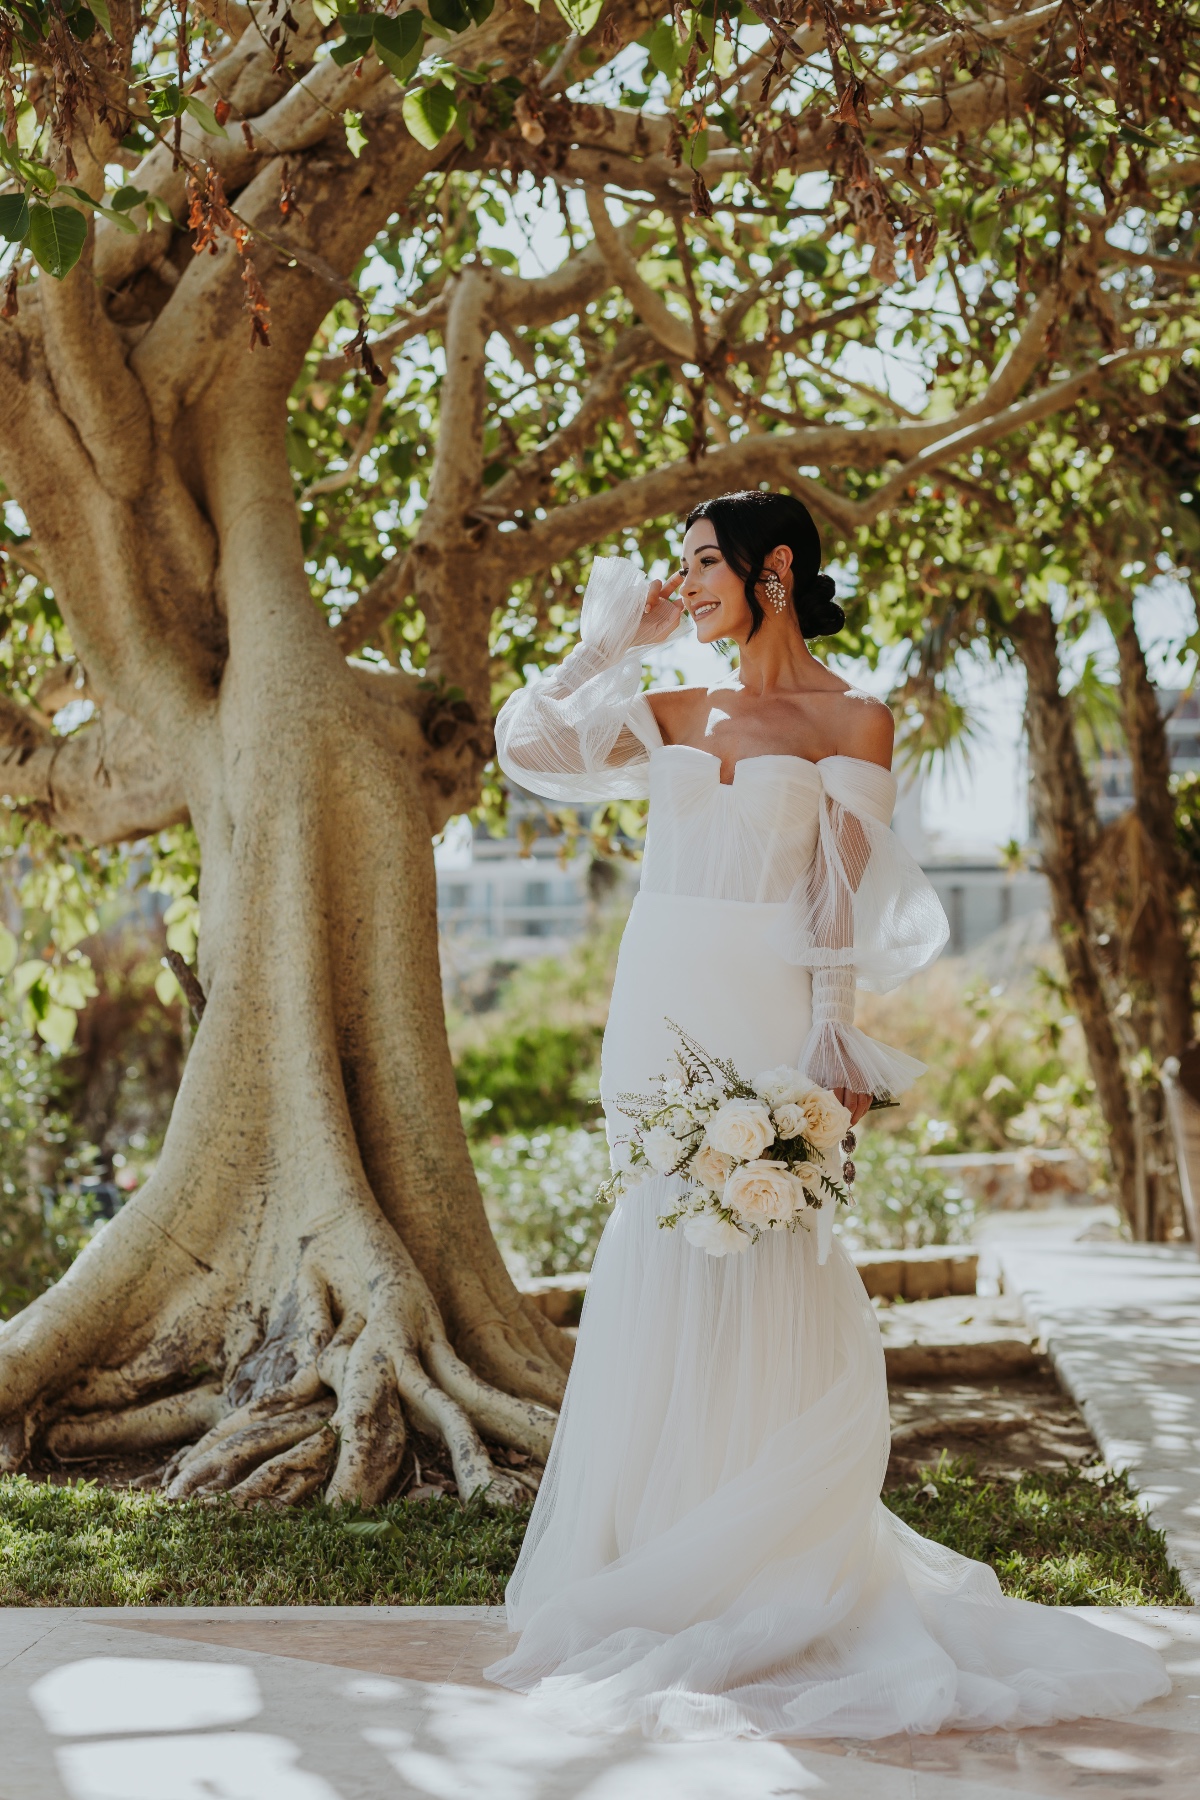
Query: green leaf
x,y
82,23
399,43
429,114
206,118
325,10
811,258
480,9
27,975
462,118
57,1026
662,48
452,15
167,102
57,235
8,950
103,17
580,15
14,223
121,220
695,151
126,198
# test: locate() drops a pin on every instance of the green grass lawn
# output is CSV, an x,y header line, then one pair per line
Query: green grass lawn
x,y
1062,1538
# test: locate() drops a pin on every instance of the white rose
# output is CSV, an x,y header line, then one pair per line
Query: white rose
x,y
741,1128
662,1149
782,1086
763,1193
709,1231
808,1174
710,1167
790,1118
826,1120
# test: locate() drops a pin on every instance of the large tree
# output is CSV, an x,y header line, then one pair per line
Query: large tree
x,y
300,473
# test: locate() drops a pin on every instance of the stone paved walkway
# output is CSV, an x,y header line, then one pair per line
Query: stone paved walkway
x,y
333,1703
1121,1323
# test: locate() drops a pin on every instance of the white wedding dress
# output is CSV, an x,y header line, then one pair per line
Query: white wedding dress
x,y
708,1554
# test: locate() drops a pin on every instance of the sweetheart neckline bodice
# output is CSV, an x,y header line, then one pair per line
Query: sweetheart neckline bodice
x,y
770,756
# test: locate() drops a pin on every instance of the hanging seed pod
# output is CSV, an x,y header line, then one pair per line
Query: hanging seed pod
x,y
848,1173
850,1143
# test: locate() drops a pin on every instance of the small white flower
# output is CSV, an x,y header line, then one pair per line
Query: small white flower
x,y
783,1086
710,1168
741,1129
707,1230
764,1193
790,1119
661,1148
808,1174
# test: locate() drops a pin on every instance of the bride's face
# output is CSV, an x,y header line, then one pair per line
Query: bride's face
x,y
711,591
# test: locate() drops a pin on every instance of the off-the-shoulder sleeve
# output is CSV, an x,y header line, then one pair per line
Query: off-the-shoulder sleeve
x,y
584,731
865,916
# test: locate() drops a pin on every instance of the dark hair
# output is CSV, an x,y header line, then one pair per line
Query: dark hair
x,y
751,524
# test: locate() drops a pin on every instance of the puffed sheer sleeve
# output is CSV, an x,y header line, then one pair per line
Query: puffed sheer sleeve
x,y
584,731
865,916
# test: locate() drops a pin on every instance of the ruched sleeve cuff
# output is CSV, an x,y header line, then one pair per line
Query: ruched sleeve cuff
x,y
837,1054
583,731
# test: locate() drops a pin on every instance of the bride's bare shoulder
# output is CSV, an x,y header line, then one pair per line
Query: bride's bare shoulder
x,y
864,727
678,709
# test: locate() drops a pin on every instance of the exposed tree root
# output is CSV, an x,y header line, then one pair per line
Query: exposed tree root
x,y
304,1403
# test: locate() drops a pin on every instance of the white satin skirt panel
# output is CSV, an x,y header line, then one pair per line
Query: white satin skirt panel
x,y
708,1555
705,964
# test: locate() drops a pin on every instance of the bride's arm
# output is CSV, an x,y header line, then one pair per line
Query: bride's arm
x,y
865,916
578,732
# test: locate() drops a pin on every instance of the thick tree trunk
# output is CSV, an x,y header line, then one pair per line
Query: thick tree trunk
x,y
1067,832
313,1236
1158,942
1140,864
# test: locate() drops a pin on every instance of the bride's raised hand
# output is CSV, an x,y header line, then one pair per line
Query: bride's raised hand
x,y
662,612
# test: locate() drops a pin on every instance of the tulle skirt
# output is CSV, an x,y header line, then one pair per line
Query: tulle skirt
x,y
708,1555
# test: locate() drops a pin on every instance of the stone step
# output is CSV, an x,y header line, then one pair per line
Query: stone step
x,y
925,1274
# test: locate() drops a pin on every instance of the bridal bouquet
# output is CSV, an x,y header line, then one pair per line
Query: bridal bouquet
x,y
762,1155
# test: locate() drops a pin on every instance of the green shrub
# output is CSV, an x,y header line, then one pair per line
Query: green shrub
x,y
540,1194
44,1223
520,1080
898,1204
991,1046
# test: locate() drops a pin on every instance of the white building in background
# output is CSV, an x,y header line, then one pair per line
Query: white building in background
x,y
1112,773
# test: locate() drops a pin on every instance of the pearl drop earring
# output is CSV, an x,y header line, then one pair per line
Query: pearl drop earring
x,y
774,590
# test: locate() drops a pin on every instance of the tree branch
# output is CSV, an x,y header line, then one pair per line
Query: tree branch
x,y
776,456
105,784
673,334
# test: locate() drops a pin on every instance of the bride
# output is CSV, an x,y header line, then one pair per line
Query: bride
x,y
709,1554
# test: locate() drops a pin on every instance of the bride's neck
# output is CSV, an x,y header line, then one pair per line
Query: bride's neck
x,y
777,659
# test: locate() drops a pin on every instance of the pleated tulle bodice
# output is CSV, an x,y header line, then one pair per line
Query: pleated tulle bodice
x,y
747,839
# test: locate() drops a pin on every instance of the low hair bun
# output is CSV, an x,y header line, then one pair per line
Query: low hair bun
x,y
817,611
